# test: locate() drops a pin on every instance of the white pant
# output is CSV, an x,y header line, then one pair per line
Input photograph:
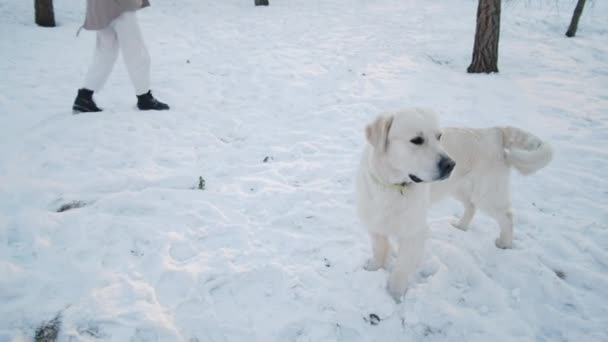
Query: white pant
x,y
124,33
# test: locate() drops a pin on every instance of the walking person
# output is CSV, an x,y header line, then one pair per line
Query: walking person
x,y
117,28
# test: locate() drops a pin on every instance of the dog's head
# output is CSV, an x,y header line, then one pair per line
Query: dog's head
x,y
406,147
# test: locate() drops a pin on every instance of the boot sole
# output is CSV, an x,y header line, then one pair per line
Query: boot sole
x,y
80,109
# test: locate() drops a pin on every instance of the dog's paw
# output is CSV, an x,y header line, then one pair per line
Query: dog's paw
x,y
500,243
458,225
373,265
397,286
396,293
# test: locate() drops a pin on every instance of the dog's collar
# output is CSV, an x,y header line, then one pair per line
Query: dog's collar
x,y
401,187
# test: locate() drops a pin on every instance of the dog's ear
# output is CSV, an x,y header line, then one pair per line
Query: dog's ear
x,y
377,132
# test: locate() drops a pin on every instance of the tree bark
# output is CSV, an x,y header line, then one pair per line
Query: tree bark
x,y
261,2
487,34
45,16
578,10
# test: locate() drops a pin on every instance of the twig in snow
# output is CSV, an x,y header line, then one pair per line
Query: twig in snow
x,y
71,205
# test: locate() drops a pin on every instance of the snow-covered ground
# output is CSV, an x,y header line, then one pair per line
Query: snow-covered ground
x,y
269,105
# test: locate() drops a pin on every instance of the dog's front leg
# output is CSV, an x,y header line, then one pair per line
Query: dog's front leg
x,y
380,249
505,221
408,257
469,212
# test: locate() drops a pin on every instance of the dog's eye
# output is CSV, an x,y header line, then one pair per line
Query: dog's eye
x,y
417,141
438,136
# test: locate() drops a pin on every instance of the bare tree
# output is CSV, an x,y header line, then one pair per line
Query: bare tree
x,y
261,2
578,10
45,16
487,33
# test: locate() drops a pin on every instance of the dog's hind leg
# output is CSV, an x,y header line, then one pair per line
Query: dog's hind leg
x,y
505,221
465,220
380,250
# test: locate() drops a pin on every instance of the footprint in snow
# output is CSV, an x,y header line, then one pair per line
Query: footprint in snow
x,y
91,329
182,251
144,335
139,247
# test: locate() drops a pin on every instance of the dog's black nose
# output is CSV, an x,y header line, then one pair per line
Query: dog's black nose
x,y
446,165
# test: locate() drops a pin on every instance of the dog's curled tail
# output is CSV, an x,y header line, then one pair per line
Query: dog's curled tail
x,y
524,151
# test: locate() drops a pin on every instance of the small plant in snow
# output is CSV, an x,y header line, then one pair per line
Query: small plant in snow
x,y
71,205
48,331
560,274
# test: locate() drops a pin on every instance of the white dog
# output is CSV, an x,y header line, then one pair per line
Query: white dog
x,y
407,165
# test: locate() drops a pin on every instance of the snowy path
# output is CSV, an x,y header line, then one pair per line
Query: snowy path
x,y
271,250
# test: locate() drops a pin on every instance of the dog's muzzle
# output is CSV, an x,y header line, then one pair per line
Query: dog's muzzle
x,y
446,166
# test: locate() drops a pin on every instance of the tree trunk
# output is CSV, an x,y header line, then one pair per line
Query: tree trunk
x,y
261,2
45,16
487,33
578,10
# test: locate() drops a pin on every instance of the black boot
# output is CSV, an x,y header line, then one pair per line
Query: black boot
x,y
84,102
148,102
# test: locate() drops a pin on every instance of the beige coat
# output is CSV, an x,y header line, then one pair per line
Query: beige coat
x,y
100,13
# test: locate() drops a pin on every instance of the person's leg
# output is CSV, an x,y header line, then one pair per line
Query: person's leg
x,y
134,51
137,60
106,52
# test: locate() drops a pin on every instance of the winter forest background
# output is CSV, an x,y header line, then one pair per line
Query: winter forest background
x,y
230,217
